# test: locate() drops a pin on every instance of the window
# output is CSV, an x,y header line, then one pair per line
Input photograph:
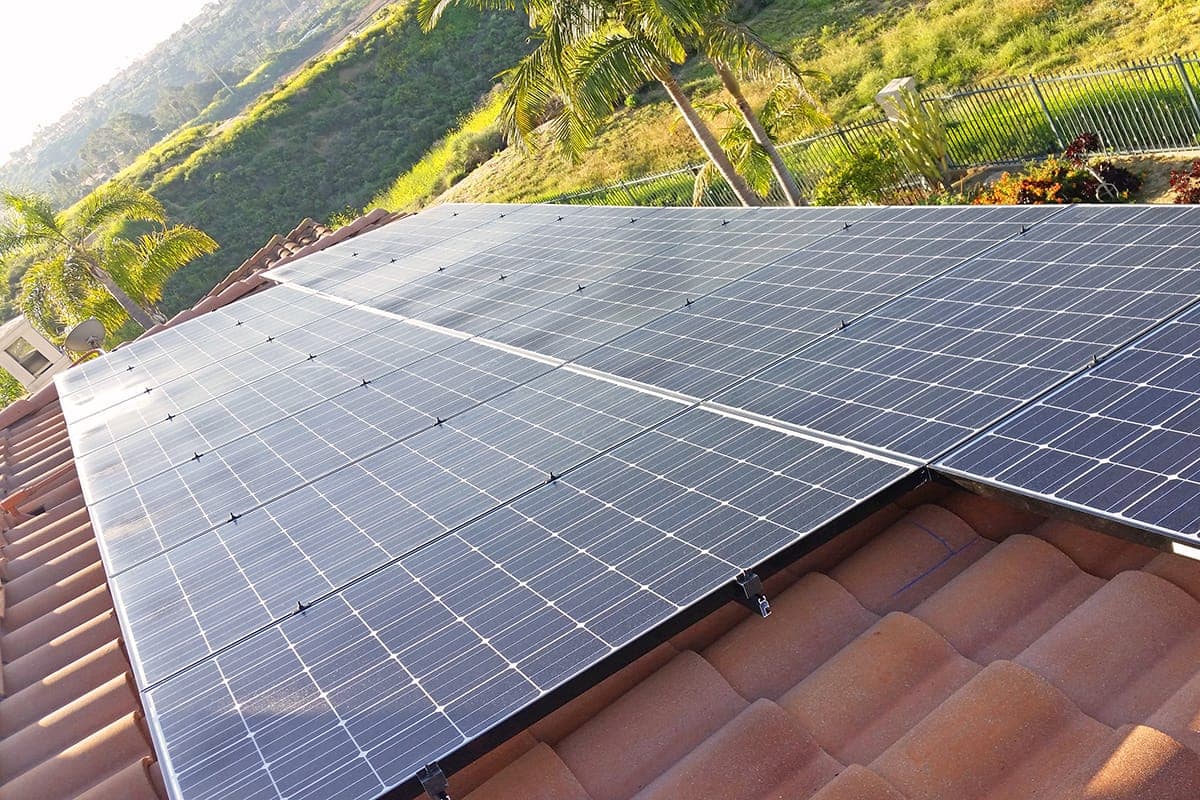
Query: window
x,y
28,356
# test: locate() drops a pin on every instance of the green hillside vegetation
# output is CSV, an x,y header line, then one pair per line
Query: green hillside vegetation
x,y
326,141
860,45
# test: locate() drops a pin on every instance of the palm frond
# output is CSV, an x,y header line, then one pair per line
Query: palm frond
x,y
529,94
741,49
148,262
429,12
113,205
33,222
608,66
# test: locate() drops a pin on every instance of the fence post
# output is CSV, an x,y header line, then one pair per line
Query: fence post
x,y
841,132
1037,91
1187,85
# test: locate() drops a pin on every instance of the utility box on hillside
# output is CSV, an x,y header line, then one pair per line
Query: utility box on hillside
x,y
28,356
888,94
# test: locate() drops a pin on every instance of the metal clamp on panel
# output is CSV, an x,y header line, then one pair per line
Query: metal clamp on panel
x,y
752,595
434,782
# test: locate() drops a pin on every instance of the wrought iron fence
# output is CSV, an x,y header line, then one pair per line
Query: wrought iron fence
x,y
1137,107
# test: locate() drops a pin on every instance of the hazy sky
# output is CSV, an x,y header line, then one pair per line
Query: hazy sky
x,y
52,53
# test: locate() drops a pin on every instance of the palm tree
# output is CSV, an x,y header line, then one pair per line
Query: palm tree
x,y
786,107
732,48
81,261
589,55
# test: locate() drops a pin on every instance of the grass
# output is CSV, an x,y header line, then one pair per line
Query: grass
x,y
474,140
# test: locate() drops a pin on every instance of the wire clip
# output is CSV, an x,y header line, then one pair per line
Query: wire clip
x,y
752,594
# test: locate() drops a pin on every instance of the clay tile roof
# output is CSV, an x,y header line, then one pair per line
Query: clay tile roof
x,y
71,723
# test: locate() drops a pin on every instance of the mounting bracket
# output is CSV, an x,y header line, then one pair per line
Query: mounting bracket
x,y
751,594
434,782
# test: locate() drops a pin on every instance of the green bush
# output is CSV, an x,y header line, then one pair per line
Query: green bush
x,y
870,175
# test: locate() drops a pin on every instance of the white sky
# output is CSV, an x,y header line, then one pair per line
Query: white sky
x,y
52,53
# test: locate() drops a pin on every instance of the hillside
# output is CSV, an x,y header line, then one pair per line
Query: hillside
x,y
212,67
327,140
860,45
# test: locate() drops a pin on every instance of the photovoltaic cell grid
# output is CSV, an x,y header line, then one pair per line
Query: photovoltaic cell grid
x,y
449,230
696,252
173,505
947,359
744,326
353,695
1123,439
201,593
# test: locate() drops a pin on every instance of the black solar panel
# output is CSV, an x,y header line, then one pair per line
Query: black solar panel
x,y
744,326
413,661
1122,440
943,361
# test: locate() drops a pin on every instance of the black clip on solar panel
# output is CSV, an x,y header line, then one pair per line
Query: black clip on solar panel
x,y
752,594
434,782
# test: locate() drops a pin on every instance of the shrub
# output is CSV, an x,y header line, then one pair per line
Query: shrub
x,y
1074,177
1185,184
868,176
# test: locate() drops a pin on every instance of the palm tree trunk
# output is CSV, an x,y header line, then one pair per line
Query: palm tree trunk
x,y
783,175
139,314
708,142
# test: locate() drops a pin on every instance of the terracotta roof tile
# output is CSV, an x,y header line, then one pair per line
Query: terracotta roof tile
x,y
771,755
860,701
538,774
636,738
1100,555
788,645
1137,763
1029,586
911,559
858,783
1006,735
987,516
84,764
1125,650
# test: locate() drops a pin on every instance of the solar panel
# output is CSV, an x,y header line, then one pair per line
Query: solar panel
x,y
351,696
1121,440
318,512
198,491
744,326
945,360
444,232
689,261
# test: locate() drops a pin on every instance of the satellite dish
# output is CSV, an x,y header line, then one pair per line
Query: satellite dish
x,y
87,335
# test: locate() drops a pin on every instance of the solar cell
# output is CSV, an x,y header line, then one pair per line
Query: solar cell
x,y
930,368
325,584
1121,440
411,662
744,326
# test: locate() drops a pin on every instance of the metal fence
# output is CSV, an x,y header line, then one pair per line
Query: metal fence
x,y
1137,107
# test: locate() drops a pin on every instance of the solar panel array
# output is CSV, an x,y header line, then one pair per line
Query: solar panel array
x,y
354,522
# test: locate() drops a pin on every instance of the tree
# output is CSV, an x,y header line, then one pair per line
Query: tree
x,y
589,56
733,47
84,262
785,108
